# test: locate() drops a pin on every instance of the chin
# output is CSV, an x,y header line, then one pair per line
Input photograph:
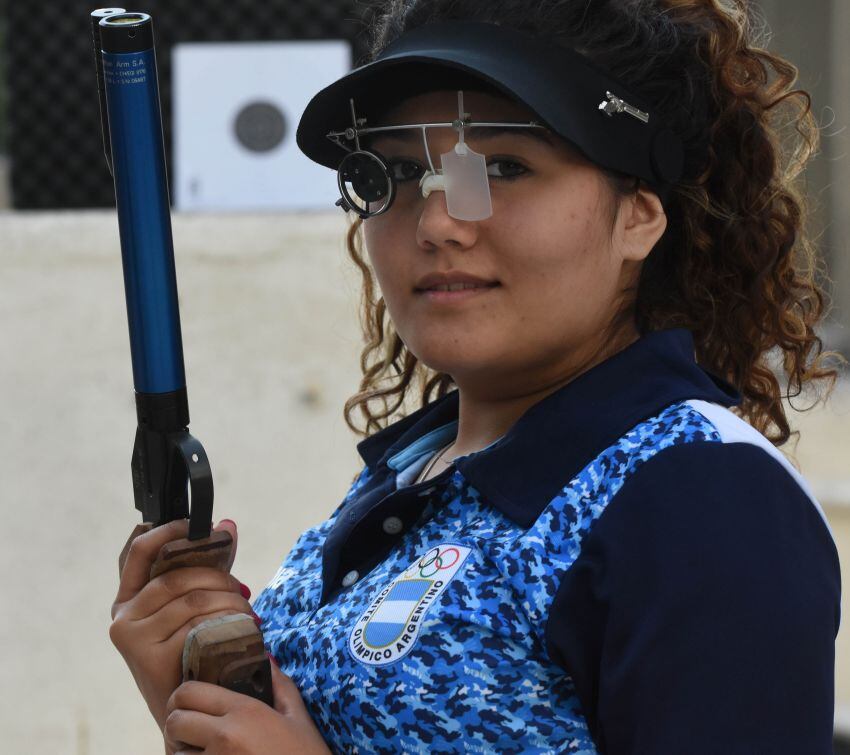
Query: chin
x,y
455,359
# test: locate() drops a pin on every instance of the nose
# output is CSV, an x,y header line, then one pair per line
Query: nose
x,y
437,228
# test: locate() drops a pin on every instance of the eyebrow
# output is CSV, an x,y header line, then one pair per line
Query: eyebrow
x,y
479,133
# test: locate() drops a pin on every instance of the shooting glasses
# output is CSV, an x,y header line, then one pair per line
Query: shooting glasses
x,y
368,183
606,122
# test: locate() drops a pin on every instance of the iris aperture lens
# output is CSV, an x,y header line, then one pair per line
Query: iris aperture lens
x,y
365,183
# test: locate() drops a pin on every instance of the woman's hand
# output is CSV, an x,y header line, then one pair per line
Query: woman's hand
x,y
205,718
150,619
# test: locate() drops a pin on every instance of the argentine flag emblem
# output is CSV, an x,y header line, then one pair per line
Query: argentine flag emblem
x,y
388,628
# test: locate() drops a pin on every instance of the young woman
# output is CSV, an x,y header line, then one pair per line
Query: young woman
x,y
588,246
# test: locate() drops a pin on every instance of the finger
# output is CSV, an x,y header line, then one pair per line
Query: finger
x,y
190,728
228,525
178,637
206,698
177,585
180,616
287,698
143,552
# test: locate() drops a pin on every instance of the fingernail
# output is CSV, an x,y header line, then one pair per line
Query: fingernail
x,y
228,520
246,593
273,659
257,620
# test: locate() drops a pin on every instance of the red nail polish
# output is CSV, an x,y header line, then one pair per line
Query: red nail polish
x,y
246,593
257,620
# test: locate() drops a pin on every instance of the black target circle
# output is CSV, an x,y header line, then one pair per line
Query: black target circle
x,y
260,126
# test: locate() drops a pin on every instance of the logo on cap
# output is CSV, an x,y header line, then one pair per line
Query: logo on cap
x,y
614,104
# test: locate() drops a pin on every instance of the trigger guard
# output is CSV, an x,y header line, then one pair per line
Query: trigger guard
x,y
197,465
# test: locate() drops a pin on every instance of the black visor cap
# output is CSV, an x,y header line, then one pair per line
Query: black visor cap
x,y
561,86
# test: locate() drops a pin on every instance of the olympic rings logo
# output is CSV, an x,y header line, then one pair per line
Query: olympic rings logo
x,y
434,558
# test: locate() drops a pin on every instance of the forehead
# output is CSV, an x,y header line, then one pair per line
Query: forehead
x,y
442,105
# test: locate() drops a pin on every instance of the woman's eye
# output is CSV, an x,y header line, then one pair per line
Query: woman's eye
x,y
506,169
405,170
409,170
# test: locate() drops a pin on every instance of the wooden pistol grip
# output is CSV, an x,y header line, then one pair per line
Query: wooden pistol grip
x,y
229,651
213,551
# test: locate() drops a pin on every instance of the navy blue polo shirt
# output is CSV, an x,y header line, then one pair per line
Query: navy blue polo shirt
x,y
631,568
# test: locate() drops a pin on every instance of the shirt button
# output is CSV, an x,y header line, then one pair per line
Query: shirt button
x,y
350,578
393,525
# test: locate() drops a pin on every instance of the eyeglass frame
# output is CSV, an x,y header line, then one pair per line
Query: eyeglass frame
x,y
353,133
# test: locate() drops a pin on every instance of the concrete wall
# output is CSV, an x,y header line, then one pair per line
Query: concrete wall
x,y
268,305
813,36
269,323
838,136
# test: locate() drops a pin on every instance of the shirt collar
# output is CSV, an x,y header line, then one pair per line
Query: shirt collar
x,y
555,439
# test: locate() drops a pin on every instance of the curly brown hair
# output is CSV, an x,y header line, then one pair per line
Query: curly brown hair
x,y
735,266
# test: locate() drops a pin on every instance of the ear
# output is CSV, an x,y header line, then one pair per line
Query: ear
x,y
641,221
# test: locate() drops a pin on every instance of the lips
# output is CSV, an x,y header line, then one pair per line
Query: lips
x,y
452,281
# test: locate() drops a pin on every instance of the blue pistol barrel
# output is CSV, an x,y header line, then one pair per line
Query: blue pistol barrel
x,y
141,193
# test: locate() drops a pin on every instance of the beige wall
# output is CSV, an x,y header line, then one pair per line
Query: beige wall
x,y
268,309
269,324
823,455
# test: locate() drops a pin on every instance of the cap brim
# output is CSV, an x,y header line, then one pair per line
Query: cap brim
x,y
561,87
375,89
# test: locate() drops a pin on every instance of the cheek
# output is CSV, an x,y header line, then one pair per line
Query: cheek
x,y
562,241
377,243
387,264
